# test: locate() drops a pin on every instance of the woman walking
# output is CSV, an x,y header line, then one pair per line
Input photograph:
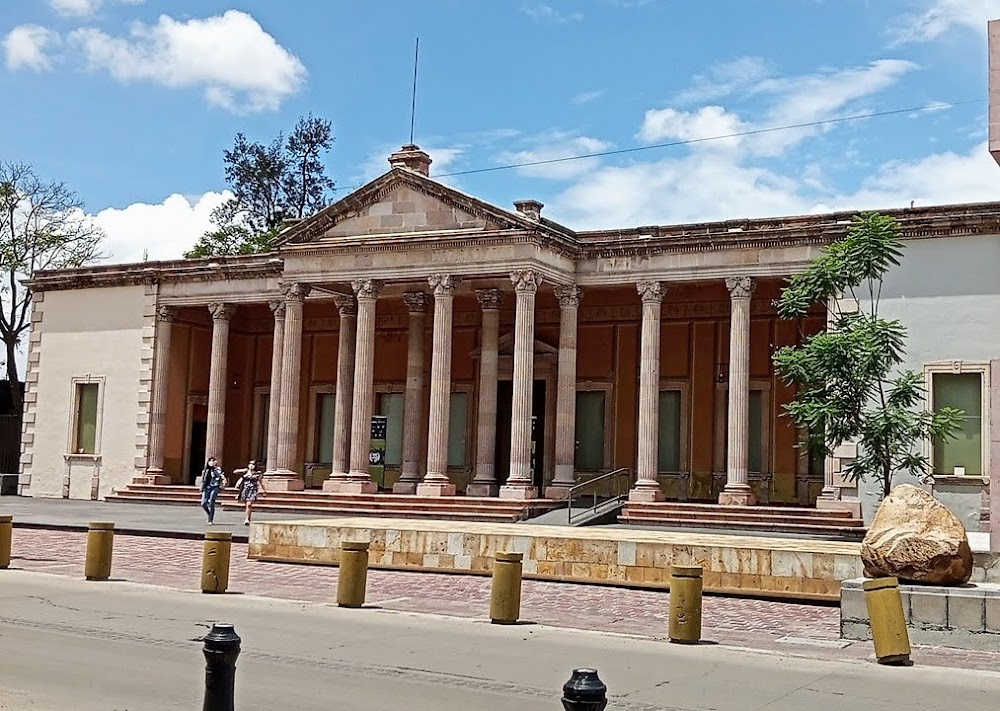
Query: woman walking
x,y
212,482
251,487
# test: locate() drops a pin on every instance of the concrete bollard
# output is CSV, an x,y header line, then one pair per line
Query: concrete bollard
x,y
685,604
222,647
215,561
352,579
505,599
888,625
584,692
100,543
6,533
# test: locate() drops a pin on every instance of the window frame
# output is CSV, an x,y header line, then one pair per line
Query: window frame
x,y
393,388
258,439
960,367
685,434
721,434
471,411
313,438
74,418
590,386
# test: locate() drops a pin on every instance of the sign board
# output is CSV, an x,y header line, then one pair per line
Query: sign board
x,y
376,450
534,441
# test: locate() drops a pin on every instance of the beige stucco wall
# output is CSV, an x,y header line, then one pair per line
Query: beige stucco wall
x,y
86,333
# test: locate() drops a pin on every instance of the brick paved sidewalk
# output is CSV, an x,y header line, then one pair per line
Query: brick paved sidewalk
x,y
806,630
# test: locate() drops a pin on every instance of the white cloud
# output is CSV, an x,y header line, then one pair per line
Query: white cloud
x,y
239,65
25,47
547,13
707,122
585,97
553,146
940,17
163,231
83,8
725,78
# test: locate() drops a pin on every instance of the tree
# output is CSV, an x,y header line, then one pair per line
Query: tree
x,y
42,226
849,384
270,182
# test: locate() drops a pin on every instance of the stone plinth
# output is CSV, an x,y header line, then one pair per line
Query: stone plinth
x,y
284,483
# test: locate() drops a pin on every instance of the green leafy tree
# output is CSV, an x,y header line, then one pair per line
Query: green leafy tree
x,y
42,226
850,387
270,182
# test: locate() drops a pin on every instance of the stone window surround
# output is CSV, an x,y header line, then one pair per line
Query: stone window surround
x,y
685,390
959,367
589,386
75,382
721,412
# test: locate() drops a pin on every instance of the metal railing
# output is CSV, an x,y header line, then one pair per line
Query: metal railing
x,y
616,493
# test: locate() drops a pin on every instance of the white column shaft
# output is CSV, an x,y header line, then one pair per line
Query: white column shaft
x,y
216,425
161,374
274,398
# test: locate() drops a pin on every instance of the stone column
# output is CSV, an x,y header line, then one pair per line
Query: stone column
x,y
158,407
216,425
647,485
737,490
485,482
343,398
416,304
285,478
520,484
436,482
565,476
274,399
358,479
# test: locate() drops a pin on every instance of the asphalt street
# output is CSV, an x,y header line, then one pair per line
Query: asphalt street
x,y
69,644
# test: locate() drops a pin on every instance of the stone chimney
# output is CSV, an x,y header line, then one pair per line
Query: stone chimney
x,y
532,209
410,156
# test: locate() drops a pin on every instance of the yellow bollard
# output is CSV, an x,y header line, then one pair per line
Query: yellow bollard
x,y
885,610
505,600
100,542
685,604
6,532
215,561
352,579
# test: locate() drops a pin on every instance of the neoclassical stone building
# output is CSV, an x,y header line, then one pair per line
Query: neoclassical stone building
x,y
510,355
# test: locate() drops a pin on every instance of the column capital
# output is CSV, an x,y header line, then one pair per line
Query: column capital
x,y
651,292
443,284
569,296
367,289
490,299
166,314
278,308
222,312
416,301
295,291
346,304
526,280
741,287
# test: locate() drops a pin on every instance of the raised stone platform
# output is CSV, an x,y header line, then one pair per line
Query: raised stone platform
x,y
744,565
966,617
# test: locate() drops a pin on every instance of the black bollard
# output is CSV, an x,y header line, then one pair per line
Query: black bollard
x,y
222,647
585,692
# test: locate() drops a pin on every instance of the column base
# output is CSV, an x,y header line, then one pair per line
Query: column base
x,y
154,477
331,482
280,482
436,488
520,492
646,494
405,487
355,487
481,489
557,491
738,495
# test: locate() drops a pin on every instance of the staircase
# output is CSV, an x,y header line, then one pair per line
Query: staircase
x,y
321,503
745,519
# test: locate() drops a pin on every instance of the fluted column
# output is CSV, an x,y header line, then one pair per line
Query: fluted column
x,y
274,398
520,484
291,370
158,406
737,490
343,404
216,425
565,473
436,482
359,480
485,482
416,304
647,485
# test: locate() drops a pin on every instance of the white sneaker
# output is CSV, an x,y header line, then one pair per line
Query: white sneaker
x,y
247,522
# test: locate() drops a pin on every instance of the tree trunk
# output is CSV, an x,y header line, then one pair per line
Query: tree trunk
x,y
16,391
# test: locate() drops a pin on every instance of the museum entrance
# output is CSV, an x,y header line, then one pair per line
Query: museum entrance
x,y
505,401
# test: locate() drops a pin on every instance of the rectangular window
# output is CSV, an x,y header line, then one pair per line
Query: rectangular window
x,y
263,417
85,437
963,391
669,435
324,422
391,406
457,425
590,406
755,432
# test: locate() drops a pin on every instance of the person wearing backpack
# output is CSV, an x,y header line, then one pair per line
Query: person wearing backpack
x,y
213,480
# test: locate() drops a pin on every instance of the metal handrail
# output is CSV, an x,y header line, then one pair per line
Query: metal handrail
x,y
611,476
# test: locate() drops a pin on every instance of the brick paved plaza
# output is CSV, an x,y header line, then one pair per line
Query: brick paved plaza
x,y
807,630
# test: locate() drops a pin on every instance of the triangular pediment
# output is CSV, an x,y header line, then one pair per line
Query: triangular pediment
x,y
404,201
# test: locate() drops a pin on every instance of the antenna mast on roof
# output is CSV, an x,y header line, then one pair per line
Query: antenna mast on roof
x,y
413,101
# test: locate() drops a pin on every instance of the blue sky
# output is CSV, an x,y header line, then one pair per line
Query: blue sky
x,y
131,102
